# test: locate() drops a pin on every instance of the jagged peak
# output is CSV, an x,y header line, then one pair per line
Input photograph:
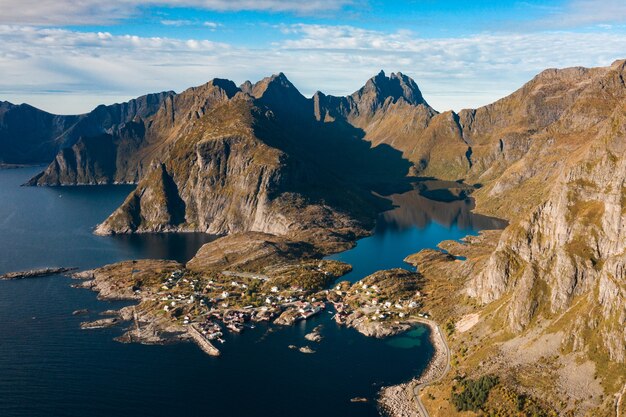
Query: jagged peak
x,y
246,87
275,81
229,87
397,86
5,105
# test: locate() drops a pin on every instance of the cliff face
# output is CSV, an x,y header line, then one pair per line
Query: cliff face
x,y
240,168
570,247
216,179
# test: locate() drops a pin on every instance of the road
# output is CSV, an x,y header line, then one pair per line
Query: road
x,y
436,332
246,275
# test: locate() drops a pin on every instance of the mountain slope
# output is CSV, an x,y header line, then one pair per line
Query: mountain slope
x,y
244,168
551,288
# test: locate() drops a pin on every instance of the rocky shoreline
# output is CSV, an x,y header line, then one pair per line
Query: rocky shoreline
x,y
402,400
35,273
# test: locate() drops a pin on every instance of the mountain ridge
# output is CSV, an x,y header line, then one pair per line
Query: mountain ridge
x,y
550,158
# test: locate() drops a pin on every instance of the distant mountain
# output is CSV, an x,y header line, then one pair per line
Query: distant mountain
x,y
29,135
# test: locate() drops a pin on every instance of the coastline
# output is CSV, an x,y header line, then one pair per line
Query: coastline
x,y
403,400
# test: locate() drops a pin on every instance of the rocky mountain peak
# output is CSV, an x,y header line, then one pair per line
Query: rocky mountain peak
x,y
278,93
229,87
269,84
246,87
619,64
378,89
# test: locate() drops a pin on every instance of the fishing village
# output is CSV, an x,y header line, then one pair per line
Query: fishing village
x,y
178,303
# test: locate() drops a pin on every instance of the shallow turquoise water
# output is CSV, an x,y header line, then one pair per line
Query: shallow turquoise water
x,y
412,338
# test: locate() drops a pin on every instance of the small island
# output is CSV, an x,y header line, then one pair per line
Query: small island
x,y
35,273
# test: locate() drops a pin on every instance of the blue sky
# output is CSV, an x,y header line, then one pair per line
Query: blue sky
x,y
66,56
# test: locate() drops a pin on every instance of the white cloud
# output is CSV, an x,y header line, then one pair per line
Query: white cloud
x,y
178,23
577,13
80,12
212,26
38,65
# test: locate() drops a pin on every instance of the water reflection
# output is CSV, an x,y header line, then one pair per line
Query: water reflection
x,y
416,223
172,246
415,210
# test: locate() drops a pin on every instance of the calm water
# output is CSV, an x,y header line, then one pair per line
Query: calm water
x,y
417,223
49,367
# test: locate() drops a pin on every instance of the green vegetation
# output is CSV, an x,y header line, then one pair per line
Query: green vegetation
x,y
474,394
449,327
505,402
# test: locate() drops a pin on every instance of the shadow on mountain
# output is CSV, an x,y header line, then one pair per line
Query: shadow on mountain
x,y
331,163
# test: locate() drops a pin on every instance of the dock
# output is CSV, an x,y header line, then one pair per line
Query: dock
x,y
204,343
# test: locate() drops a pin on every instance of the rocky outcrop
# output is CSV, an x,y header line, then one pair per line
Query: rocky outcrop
x,y
103,159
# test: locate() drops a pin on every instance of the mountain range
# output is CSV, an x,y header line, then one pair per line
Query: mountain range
x,y
550,158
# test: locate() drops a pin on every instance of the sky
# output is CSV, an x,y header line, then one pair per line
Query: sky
x,y
67,56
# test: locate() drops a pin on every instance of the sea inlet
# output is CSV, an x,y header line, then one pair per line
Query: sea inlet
x,y
50,367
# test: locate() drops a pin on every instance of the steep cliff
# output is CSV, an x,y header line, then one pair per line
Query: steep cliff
x,y
548,294
572,243
241,169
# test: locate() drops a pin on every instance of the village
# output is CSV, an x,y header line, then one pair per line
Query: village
x,y
229,301
205,305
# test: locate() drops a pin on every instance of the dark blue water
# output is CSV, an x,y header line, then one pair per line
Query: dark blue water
x,y
49,367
